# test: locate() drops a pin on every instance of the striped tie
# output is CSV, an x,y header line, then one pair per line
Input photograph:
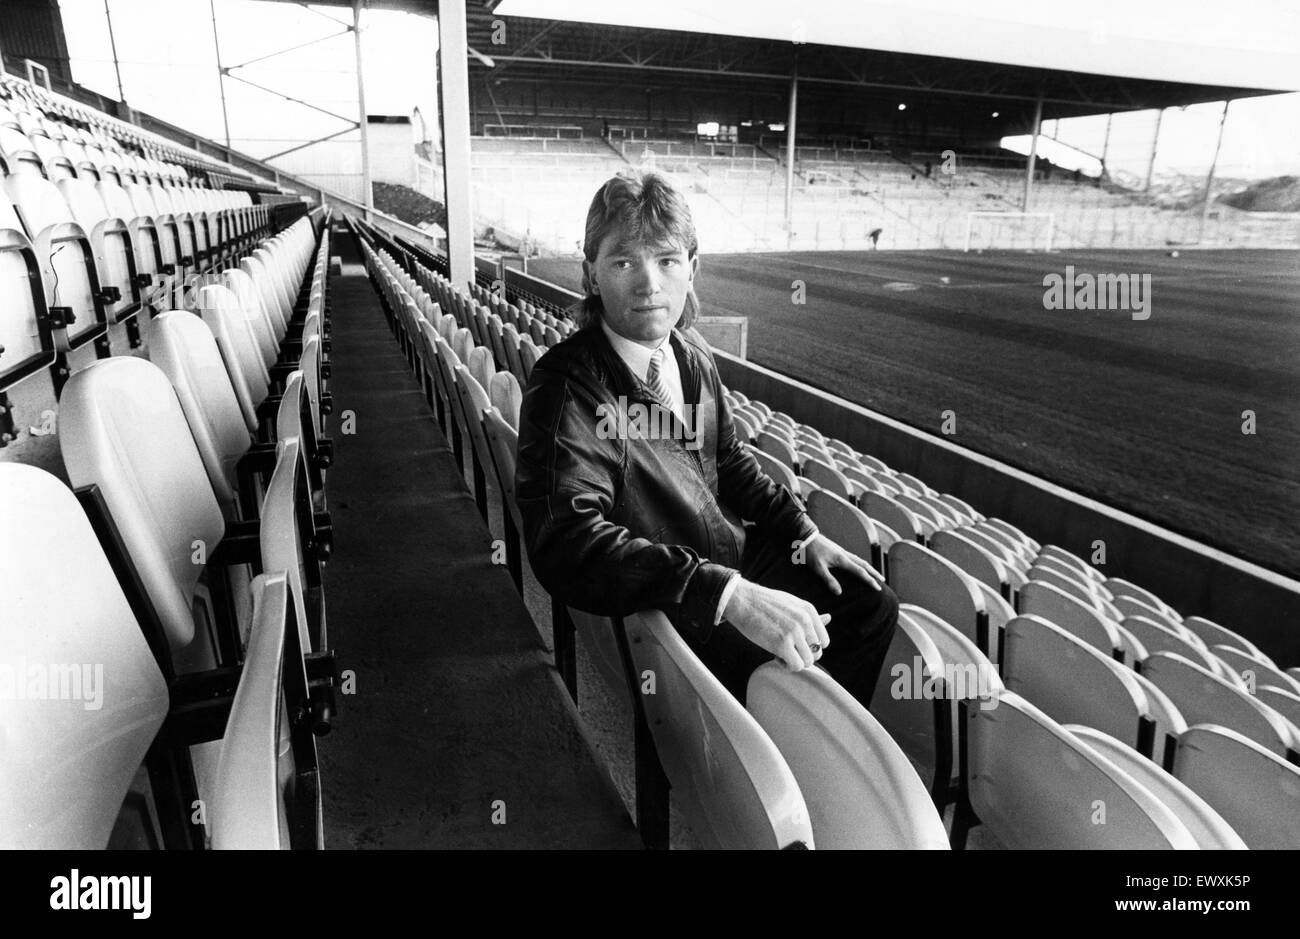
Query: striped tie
x,y
656,381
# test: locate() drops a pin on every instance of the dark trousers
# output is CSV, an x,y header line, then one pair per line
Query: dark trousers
x,y
861,627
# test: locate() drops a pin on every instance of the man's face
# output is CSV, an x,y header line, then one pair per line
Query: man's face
x,y
642,286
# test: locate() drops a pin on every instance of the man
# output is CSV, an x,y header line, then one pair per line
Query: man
x,y
624,514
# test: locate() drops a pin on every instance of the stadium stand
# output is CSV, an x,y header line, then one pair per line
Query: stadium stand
x,y
1071,639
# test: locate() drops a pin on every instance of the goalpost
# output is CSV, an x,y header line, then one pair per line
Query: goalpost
x,y
1027,231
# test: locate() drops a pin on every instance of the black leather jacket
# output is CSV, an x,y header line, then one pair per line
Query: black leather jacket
x,y
612,524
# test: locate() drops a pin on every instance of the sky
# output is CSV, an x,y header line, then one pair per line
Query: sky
x,y
176,79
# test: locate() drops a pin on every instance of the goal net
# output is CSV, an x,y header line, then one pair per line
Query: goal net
x,y
1023,231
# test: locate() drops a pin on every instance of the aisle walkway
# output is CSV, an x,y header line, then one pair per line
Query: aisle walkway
x,y
459,714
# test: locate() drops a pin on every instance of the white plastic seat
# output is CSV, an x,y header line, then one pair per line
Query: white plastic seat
x,y
267,793
239,349
728,778
503,390
1159,637
923,726
888,511
775,468
1071,614
1072,682
828,478
1123,588
1204,698
66,255
481,366
846,525
69,760
183,346
1035,785
975,560
1256,792
122,428
860,789
28,341
1208,827
282,541
920,576
778,448
1251,671
1215,635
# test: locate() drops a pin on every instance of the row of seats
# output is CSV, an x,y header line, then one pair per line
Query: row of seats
x,y
1086,648
186,558
978,642
35,112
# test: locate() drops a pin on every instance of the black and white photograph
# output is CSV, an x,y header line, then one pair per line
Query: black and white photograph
x,y
579,426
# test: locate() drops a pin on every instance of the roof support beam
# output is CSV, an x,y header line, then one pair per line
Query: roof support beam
x,y
453,82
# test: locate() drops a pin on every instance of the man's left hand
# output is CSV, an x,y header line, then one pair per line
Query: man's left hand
x,y
823,555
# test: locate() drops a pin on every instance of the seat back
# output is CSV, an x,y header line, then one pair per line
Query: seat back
x,y
1205,698
860,789
888,511
122,428
1255,791
920,576
474,401
971,558
287,524
922,724
72,748
1215,635
239,347
846,525
1035,785
1206,825
503,390
728,778
183,346
267,790
1071,614
1071,681
781,474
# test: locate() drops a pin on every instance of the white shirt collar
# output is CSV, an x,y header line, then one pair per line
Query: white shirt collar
x,y
634,354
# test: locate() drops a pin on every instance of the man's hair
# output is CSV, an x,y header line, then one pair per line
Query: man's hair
x,y
640,207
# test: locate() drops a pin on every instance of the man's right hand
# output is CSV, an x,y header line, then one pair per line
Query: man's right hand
x,y
778,622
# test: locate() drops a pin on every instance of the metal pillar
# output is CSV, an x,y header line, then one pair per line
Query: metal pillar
x,y
1209,178
367,188
1033,151
1155,139
1105,146
112,42
453,79
221,74
790,151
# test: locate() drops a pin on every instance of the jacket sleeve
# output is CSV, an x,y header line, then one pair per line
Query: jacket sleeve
x,y
567,481
745,488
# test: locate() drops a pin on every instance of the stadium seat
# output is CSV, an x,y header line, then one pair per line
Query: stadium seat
x,y
1128,606
66,256
68,761
827,477
1072,615
1252,671
503,390
776,468
1035,785
1255,791
1206,825
780,449
1283,699
240,350
184,348
728,778
1122,588
267,792
1158,637
1074,683
860,789
847,526
888,511
920,576
1213,635
121,424
115,255
1204,698
975,560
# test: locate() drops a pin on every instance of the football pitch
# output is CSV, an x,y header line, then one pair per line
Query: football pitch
x,y
1145,408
